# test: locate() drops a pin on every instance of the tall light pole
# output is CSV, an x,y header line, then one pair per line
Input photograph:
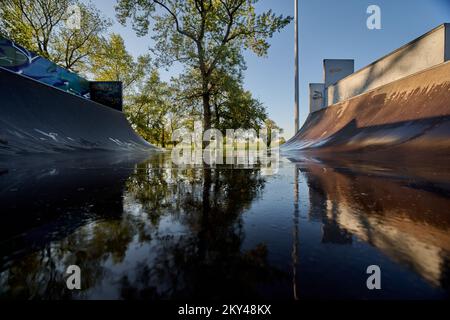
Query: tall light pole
x,y
296,69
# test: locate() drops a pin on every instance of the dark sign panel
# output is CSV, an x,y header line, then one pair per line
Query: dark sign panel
x,y
107,93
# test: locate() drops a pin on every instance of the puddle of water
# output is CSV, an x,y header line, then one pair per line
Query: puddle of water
x,y
143,229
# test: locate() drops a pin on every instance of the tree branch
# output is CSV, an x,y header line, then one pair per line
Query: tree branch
x,y
226,38
177,24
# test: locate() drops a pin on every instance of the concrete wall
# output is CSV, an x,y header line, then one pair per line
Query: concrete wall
x,y
429,50
316,97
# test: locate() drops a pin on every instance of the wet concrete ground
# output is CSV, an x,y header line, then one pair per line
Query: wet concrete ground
x,y
140,228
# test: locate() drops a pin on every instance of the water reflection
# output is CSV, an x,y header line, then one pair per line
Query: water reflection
x,y
404,215
140,228
168,233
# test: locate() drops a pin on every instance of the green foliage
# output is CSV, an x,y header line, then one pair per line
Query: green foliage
x,y
204,35
207,36
235,107
14,26
271,125
150,109
40,26
112,62
72,48
32,23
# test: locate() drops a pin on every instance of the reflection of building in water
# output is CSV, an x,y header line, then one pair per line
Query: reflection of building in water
x,y
333,233
325,211
410,225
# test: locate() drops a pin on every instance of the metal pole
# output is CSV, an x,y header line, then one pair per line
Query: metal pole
x,y
296,108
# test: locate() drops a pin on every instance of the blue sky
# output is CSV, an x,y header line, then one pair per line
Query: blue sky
x,y
329,29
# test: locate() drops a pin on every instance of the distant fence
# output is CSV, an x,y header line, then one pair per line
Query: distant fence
x,y
22,61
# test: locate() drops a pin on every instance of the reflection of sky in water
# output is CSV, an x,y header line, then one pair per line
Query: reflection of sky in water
x,y
148,231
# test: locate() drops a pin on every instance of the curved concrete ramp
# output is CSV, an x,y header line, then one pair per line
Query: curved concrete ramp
x,y
411,114
37,118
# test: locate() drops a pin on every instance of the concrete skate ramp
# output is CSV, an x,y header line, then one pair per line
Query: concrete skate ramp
x,y
37,118
408,115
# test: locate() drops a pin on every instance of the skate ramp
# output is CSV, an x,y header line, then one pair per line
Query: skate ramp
x,y
409,115
38,118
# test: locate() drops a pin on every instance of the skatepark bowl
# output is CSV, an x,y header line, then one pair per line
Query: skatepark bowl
x,y
140,228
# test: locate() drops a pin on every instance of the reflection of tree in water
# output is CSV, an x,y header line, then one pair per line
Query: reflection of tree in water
x,y
202,257
42,273
207,261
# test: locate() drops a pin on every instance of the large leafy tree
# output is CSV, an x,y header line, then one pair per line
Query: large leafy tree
x,y
149,110
270,125
33,23
204,35
112,62
233,106
71,47
40,25
14,26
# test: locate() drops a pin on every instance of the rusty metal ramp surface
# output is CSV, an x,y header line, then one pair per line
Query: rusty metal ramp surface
x,y
411,114
37,118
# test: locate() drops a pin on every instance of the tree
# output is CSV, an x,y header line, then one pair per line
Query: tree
x,y
14,26
33,23
235,107
72,48
40,26
112,62
205,35
271,125
149,110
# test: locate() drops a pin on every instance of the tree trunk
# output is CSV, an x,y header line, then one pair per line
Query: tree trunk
x,y
206,116
163,140
206,108
206,96
217,116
